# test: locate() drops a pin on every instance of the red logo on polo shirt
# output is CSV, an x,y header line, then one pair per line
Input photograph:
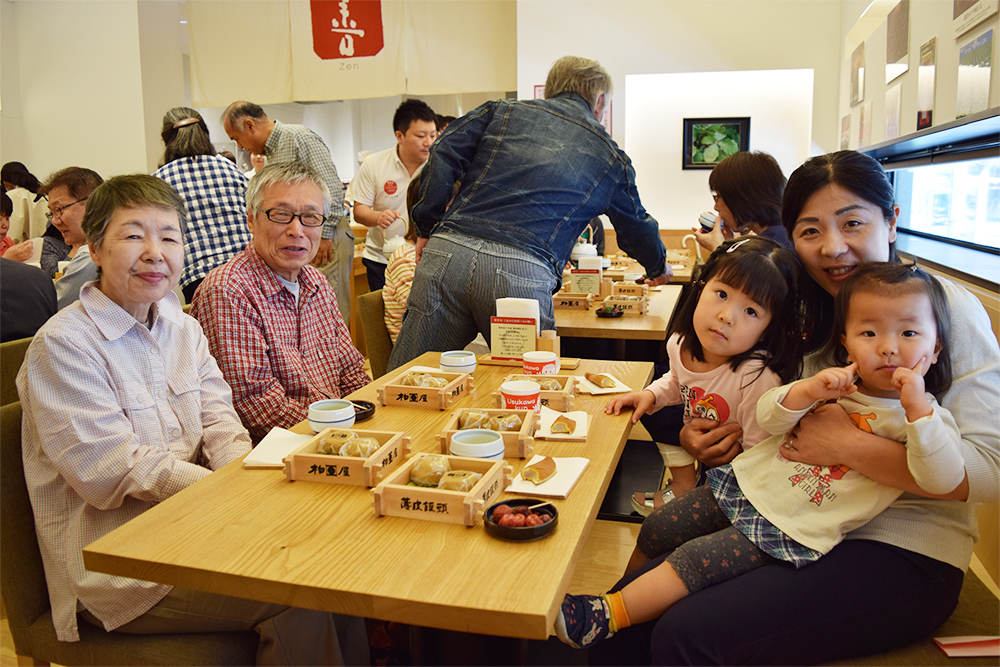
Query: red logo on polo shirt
x,y
390,187
346,28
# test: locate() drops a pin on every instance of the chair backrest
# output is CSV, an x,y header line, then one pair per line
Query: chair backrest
x,y
11,356
378,344
22,576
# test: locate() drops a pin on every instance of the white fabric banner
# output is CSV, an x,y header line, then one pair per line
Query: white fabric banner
x,y
275,51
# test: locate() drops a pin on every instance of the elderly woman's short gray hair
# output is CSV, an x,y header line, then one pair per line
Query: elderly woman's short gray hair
x,y
291,173
572,74
130,191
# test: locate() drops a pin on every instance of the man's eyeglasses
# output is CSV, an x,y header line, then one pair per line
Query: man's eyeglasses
x,y
285,217
58,210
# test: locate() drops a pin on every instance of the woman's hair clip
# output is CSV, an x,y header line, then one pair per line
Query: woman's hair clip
x,y
184,122
736,245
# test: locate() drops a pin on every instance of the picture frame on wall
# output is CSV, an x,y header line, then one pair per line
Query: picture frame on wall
x,y
709,141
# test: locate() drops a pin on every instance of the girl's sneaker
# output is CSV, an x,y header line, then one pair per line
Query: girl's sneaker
x,y
583,620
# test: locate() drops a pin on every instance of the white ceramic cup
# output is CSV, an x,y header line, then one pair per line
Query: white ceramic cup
x,y
521,395
331,413
457,361
540,362
478,442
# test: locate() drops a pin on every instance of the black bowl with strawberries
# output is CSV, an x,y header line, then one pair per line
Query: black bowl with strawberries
x,y
521,519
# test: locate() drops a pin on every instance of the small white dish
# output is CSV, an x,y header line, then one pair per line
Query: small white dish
x,y
480,443
331,413
458,361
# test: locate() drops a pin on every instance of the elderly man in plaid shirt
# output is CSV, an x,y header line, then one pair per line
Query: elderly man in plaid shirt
x,y
272,320
251,129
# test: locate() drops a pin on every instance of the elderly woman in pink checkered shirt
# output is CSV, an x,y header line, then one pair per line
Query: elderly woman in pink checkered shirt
x,y
123,407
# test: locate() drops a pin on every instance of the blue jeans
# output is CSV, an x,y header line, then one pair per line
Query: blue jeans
x,y
454,293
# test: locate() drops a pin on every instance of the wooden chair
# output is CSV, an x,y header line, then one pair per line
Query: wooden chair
x,y
26,598
11,356
377,340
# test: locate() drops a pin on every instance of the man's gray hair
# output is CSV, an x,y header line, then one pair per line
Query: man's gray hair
x,y
572,74
242,109
291,173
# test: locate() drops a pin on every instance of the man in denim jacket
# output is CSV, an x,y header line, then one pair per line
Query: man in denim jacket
x,y
533,174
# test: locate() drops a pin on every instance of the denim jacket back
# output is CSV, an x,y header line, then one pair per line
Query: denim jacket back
x,y
533,173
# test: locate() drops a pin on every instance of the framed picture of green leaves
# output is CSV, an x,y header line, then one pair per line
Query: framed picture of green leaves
x,y
709,141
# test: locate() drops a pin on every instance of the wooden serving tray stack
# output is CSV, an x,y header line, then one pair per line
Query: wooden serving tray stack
x,y
396,497
307,464
396,393
516,444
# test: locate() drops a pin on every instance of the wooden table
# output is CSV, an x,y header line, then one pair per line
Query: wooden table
x,y
251,533
650,326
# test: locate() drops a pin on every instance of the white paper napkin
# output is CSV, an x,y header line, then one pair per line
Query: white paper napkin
x,y
548,415
591,388
275,446
568,471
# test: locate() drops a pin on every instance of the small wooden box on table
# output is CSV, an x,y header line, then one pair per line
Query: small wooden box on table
x,y
516,444
395,497
307,464
572,301
561,399
396,393
637,305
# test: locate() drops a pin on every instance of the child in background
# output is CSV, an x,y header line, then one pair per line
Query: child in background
x,y
732,339
891,323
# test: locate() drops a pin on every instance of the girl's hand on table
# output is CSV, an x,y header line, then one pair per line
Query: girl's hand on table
x,y
642,401
710,443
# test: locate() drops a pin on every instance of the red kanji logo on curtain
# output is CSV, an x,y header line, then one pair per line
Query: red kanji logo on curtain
x,y
346,28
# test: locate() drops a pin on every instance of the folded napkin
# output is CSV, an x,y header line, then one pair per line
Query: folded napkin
x,y
590,388
549,415
568,471
275,446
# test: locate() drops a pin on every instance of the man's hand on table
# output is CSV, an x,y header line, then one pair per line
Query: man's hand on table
x,y
668,273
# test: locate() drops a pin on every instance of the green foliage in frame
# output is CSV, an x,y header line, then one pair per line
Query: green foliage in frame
x,y
709,141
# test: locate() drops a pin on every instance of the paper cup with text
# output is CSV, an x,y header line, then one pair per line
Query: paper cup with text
x,y
521,395
540,362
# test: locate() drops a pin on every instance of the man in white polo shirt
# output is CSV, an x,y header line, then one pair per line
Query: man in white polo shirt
x,y
379,189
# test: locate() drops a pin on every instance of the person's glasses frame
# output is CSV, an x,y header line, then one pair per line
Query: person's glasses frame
x,y
283,216
58,210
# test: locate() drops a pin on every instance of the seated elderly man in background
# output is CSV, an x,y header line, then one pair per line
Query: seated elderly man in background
x,y
124,407
272,320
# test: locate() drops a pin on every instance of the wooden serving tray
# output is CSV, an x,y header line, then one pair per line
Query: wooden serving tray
x,y
562,400
437,398
629,307
629,289
572,301
516,444
308,465
395,497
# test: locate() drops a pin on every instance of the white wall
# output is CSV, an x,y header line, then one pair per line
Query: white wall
x,y
928,18
778,102
80,87
644,37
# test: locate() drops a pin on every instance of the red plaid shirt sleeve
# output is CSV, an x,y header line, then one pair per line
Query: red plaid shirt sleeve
x,y
278,358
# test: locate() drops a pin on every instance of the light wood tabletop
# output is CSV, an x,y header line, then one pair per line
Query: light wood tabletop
x,y
252,533
650,326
